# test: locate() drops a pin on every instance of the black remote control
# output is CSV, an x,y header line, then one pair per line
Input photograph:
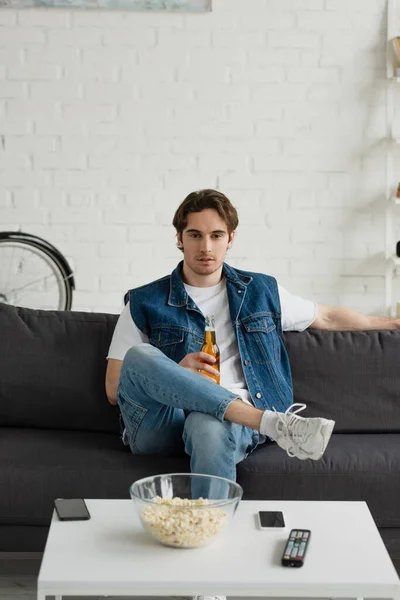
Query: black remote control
x,y
296,547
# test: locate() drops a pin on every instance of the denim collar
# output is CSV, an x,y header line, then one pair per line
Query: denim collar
x,y
178,295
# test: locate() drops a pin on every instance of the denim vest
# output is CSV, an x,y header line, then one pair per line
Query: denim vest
x,y
170,318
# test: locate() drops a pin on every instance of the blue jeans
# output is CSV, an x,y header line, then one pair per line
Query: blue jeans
x,y
167,409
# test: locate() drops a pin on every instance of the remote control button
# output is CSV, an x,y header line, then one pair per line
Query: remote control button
x,y
294,553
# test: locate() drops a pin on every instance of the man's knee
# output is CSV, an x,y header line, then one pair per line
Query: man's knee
x,y
205,429
138,356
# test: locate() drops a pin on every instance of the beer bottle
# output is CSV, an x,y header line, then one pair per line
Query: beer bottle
x,y
210,345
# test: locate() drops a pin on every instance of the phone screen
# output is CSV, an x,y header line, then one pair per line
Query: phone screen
x,y
71,509
271,518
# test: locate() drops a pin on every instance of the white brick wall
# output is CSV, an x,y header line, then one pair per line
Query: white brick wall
x,y
109,119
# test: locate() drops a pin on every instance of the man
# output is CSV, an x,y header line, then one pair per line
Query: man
x,y
158,375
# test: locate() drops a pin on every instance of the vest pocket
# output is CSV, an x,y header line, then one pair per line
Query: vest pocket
x,y
167,339
262,338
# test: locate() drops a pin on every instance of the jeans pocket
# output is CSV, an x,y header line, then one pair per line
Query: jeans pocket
x,y
132,415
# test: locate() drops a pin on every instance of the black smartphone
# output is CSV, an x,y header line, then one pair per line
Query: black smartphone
x,y
269,519
71,509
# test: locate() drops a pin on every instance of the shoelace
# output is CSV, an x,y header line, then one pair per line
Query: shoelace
x,y
292,425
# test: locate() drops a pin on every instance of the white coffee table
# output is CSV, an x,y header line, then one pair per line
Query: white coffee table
x,y
111,555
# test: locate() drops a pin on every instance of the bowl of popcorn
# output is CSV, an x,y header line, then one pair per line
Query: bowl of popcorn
x,y
185,510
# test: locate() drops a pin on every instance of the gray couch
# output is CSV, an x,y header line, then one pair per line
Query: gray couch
x,y
59,436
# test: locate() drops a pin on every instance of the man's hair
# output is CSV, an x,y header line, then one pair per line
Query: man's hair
x,y
200,200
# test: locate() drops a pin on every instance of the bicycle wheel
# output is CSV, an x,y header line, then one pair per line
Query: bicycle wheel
x,y
33,273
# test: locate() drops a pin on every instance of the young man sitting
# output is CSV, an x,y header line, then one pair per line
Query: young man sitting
x,y
162,381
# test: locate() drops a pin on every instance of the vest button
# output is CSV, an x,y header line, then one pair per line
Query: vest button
x,y
246,362
239,291
258,395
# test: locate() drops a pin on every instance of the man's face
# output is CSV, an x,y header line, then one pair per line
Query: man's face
x,y
205,241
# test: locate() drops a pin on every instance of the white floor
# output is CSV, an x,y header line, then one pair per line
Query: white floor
x,y
18,575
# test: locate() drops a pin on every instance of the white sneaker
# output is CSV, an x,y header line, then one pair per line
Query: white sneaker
x,y
300,437
209,597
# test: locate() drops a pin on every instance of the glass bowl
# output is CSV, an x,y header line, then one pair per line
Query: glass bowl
x,y
185,510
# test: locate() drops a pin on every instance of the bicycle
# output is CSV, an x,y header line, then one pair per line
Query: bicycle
x,y
34,273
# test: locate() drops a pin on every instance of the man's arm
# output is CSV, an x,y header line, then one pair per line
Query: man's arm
x,y
342,319
112,379
126,334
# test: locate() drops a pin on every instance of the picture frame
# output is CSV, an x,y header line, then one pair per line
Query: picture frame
x,y
137,5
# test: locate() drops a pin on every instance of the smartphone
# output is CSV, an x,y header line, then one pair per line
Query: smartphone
x,y
71,509
271,519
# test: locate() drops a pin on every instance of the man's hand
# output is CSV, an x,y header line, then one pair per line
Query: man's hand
x,y
198,362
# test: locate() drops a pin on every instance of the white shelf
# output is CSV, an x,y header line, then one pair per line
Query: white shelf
x,y
392,175
393,262
396,260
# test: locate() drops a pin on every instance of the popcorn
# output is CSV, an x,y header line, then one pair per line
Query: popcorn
x,y
184,527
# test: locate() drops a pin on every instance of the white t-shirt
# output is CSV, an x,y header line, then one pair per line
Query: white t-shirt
x,y
296,315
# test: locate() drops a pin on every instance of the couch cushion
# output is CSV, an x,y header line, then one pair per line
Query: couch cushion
x,y
38,466
352,377
53,364
50,464
52,369
353,467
